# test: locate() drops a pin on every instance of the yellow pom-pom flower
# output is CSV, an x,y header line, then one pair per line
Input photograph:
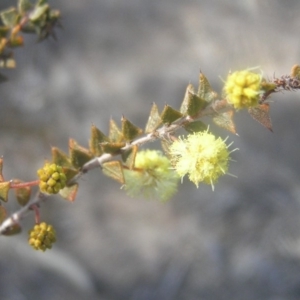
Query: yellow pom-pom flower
x,y
52,178
42,236
201,156
151,177
243,88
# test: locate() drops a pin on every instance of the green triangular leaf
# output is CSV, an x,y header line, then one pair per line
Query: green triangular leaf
x,y
70,173
9,17
261,114
225,121
205,91
78,155
196,126
196,104
185,102
22,194
169,115
114,170
129,130
60,158
38,13
4,188
69,192
191,103
112,148
97,137
154,119
115,135
24,6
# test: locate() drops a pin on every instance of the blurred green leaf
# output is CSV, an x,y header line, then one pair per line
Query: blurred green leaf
x,y
24,6
69,192
4,188
22,194
195,126
112,148
261,114
225,121
204,90
169,115
60,158
78,155
38,12
129,130
114,170
10,17
154,119
115,135
97,137
70,173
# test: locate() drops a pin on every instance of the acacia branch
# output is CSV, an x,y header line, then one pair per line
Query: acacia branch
x,y
213,108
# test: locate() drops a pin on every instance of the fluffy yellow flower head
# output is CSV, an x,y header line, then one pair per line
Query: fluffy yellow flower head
x,y
243,88
151,177
201,156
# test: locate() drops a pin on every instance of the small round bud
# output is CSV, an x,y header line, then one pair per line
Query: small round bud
x,y
243,88
52,178
201,156
42,236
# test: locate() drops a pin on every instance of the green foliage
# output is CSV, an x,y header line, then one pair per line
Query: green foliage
x,y
192,103
35,18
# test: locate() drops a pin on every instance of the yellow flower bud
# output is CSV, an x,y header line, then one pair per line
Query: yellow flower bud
x,y
243,88
52,178
42,236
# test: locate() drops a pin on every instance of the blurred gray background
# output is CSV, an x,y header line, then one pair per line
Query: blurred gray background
x,y
116,57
